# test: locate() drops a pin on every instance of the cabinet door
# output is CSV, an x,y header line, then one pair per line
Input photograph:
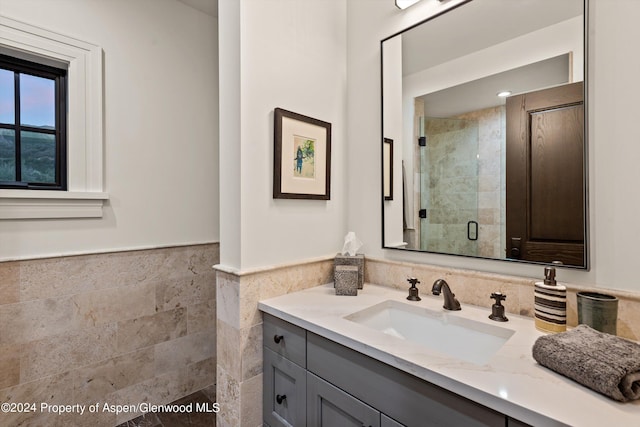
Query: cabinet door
x,y
405,398
328,406
284,396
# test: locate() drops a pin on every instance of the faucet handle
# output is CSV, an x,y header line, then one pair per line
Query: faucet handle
x,y
413,291
498,296
497,309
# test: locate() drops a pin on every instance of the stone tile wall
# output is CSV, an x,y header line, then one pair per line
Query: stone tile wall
x,y
239,333
491,182
485,204
117,328
449,185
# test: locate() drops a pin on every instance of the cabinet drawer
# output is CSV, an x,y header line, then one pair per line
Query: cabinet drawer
x,y
328,406
401,396
285,339
284,394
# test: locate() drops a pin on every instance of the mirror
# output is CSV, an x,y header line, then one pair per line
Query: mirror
x,y
477,172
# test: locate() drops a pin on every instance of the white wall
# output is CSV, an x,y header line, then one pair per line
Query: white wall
x,y
613,151
161,127
392,110
369,23
230,132
293,56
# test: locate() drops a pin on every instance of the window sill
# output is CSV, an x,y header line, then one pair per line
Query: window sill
x,y
42,204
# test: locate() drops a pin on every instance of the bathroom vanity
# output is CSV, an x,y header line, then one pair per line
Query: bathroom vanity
x,y
328,360
344,387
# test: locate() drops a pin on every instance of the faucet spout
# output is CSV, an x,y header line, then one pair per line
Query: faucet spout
x,y
450,301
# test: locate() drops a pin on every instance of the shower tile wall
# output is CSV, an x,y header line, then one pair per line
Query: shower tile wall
x,y
117,328
449,185
491,183
488,200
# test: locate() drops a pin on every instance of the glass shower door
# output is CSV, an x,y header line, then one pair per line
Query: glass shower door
x,y
449,186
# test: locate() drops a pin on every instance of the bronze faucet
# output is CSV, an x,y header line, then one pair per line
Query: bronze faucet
x,y
450,301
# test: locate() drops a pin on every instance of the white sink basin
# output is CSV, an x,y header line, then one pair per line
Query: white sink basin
x,y
445,332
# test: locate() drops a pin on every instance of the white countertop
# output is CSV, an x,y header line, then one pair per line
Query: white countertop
x,y
511,382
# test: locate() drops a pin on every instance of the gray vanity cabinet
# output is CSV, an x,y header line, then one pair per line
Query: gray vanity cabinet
x,y
285,339
395,393
285,385
284,374
328,406
310,380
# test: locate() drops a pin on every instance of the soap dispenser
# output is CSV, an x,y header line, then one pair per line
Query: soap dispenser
x,y
550,303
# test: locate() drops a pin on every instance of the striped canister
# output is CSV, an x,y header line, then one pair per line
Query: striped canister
x,y
550,307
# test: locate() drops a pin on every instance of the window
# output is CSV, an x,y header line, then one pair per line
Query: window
x,y
32,125
84,196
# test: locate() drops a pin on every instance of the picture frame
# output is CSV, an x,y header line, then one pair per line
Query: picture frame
x,y
302,157
387,169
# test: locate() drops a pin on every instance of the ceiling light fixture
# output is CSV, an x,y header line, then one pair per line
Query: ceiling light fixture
x,y
403,4
504,93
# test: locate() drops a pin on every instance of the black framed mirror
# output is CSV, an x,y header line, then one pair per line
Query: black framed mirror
x,y
486,105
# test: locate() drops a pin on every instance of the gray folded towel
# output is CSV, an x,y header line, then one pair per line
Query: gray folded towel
x,y
605,363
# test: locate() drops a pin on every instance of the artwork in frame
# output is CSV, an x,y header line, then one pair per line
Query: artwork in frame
x,y
387,168
302,157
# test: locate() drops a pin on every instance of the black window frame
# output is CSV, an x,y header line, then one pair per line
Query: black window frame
x,y
59,75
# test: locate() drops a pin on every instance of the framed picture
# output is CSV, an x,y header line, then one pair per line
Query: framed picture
x,y
302,157
387,169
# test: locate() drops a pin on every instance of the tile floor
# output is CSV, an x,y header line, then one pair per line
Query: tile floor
x,y
190,419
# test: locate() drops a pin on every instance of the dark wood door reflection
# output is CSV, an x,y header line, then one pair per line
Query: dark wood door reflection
x,y
545,176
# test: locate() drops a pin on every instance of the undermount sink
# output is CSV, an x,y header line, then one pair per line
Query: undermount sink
x,y
444,332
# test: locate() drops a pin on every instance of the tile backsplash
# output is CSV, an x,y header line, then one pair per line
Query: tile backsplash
x,y
116,328
474,287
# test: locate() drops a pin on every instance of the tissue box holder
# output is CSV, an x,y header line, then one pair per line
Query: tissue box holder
x,y
356,260
345,280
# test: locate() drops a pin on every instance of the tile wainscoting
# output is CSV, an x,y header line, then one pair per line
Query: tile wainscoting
x,y
117,328
239,332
